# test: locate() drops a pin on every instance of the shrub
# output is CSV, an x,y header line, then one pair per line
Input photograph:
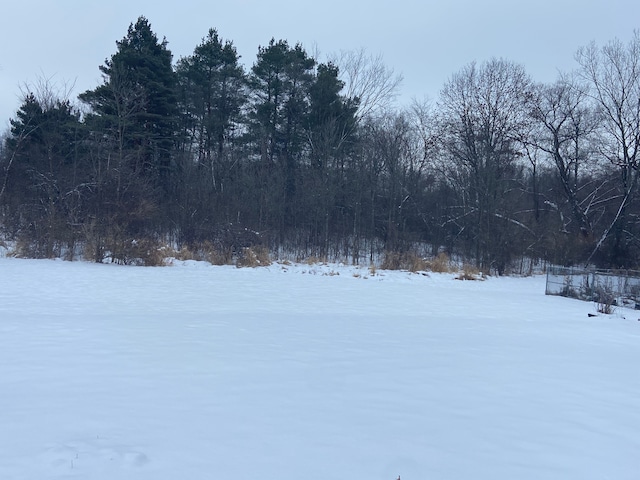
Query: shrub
x,y
38,248
605,298
145,252
148,253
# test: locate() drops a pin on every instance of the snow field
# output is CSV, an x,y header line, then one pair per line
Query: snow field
x,y
291,372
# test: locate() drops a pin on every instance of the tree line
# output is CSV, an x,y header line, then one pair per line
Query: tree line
x,y
314,159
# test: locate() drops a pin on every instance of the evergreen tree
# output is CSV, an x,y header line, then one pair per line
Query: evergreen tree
x,y
137,102
280,82
212,95
46,187
332,121
132,126
330,132
212,89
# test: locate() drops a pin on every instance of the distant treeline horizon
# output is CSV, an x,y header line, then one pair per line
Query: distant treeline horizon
x,y
316,158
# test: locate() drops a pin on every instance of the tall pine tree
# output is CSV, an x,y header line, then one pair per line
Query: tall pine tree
x,y
45,188
280,81
137,102
212,90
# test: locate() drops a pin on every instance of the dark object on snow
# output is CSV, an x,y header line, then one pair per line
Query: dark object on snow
x,y
591,315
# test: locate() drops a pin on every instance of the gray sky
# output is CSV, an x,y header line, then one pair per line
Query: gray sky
x,y
424,40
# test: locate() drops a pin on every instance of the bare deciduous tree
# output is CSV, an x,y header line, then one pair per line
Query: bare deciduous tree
x,y
483,113
564,125
368,80
613,72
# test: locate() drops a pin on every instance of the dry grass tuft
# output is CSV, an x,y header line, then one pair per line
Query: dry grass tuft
x,y
253,257
440,264
313,260
219,257
403,261
469,272
206,252
391,261
144,252
331,273
23,249
185,253
416,263
148,253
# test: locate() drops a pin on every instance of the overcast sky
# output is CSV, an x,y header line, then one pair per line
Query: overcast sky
x,y
424,40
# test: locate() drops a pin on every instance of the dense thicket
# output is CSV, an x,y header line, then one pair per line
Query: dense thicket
x,y
309,158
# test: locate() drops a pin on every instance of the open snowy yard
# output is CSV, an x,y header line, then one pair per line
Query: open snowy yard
x,y
308,372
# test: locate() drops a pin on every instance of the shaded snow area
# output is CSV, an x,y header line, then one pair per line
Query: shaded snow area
x,y
308,372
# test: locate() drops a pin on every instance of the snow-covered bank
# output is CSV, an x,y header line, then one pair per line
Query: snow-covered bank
x,y
315,372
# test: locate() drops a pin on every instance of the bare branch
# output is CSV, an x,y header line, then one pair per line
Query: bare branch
x,y
368,80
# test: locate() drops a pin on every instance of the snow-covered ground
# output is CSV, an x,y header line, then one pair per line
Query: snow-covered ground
x,y
308,372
